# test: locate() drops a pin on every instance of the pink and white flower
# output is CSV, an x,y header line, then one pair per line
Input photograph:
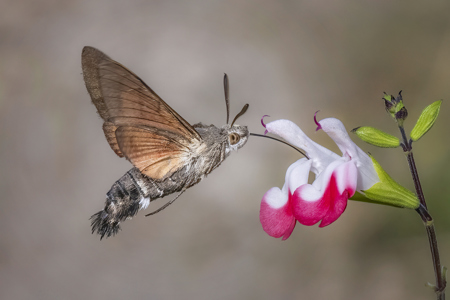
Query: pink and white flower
x,y
337,178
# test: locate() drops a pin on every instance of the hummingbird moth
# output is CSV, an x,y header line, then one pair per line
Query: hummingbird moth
x,y
168,154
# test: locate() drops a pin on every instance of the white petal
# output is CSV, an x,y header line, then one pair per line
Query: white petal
x,y
275,198
322,181
346,177
344,173
297,174
321,157
367,176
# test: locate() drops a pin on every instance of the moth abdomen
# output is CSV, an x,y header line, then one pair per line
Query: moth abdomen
x,y
126,197
104,225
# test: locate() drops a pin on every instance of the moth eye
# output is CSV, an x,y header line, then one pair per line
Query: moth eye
x,y
234,138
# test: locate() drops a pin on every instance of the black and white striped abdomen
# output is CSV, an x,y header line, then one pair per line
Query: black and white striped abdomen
x,y
132,192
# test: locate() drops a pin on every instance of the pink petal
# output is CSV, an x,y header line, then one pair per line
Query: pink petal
x,y
288,232
326,202
342,186
309,212
337,207
276,214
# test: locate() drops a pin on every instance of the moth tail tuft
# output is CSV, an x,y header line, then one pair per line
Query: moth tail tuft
x,y
104,224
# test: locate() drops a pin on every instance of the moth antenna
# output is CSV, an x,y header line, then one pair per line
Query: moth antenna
x,y
226,87
165,205
243,110
281,141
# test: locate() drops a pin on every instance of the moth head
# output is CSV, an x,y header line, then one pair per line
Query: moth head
x,y
237,136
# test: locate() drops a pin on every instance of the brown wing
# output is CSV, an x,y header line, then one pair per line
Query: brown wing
x,y
124,100
153,153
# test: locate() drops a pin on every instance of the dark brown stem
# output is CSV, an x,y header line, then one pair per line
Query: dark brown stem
x,y
438,270
415,176
427,220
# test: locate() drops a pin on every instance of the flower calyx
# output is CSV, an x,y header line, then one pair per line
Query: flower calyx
x,y
387,191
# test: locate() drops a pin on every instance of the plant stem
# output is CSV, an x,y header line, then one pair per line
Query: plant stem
x,y
440,276
427,220
415,176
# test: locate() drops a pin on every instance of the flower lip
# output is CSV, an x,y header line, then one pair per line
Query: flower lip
x,y
317,123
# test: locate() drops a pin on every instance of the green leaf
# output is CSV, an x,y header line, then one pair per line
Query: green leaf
x,y
376,137
426,120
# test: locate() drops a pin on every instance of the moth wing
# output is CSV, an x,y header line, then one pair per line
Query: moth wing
x,y
123,99
156,153
109,129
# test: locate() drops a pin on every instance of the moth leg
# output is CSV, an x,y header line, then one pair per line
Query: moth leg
x,y
165,205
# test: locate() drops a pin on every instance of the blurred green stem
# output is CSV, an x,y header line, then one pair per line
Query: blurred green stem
x,y
439,271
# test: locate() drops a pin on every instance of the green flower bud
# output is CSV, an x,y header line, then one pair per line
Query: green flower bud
x,y
426,120
376,137
387,191
395,107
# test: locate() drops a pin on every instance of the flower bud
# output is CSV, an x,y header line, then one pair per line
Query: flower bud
x,y
376,137
395,107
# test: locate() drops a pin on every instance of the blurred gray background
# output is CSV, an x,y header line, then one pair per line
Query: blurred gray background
x,y
286,59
